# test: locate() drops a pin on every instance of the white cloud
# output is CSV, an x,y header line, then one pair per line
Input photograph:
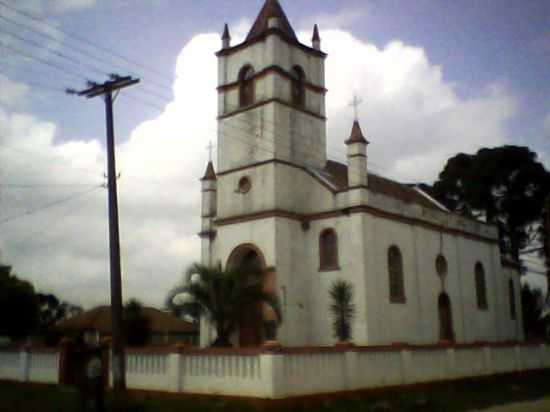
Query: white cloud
x,y
340,20
412,116
70,5
12,94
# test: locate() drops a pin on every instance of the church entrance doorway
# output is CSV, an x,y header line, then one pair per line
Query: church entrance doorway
x,y
251,320
446,332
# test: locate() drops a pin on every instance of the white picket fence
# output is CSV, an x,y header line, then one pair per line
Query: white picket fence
x,y
293,371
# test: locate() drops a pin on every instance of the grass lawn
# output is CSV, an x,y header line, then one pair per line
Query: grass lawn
x,y
448,397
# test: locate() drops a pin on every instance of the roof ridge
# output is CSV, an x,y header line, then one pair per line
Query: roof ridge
x,y
271,8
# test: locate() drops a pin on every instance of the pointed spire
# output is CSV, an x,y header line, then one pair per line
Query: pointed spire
x,y
226,37
271,10
316,39
209,174
356,135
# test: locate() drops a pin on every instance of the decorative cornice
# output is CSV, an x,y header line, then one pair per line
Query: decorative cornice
x,y
268,70
279,161
208,234
267,101
274,213
263,36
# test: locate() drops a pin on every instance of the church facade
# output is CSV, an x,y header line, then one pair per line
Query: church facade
x,y
420,274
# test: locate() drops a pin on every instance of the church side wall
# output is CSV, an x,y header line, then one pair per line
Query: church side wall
x,y
417,320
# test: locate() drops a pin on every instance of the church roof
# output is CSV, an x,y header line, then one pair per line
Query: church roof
x,y
271,8
337,173
356,135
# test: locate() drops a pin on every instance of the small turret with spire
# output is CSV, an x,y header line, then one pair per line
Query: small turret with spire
x,y
357,157
209,210
316,39
226,37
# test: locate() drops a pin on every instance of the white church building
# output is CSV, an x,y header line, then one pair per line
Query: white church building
x,y
421,274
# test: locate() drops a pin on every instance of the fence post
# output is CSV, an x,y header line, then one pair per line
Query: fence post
x,y
451,363
517,353
351,364
406,366
175,364
272,375
24,364
487,358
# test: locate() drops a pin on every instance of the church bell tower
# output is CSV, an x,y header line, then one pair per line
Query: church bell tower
x,y
271,96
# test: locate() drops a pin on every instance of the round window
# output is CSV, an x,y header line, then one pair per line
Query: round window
x,y
244,184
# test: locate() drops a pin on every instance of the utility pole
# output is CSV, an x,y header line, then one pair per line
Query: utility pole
x,y
106,89
546,246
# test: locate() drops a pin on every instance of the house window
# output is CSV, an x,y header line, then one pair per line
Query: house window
x,y
481,288
441,266
395,272
298,88
246,86
512,299
328,250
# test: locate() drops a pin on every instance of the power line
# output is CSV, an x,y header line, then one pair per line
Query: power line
x,y
51,221
81,39
43,61
42,185
48,206
35,84
70,59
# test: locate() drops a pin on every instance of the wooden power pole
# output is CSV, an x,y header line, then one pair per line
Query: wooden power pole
x,y
546,237
106,89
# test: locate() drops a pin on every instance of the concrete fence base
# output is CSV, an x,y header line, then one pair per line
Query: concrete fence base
x,y
290,372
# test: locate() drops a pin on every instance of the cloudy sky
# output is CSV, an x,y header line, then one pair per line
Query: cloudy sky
x,y
436,78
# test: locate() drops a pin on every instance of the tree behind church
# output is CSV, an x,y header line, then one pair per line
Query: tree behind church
x,y
504,185
222,296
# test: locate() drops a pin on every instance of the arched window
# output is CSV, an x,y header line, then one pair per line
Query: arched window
x,y
441,266
481,288
446,332
298,88
246,86
328,250
395,272
512,299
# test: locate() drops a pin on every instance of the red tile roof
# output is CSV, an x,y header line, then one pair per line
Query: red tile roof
x,y
337,173
100,319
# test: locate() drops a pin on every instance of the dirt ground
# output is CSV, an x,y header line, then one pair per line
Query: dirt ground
x,y
542,405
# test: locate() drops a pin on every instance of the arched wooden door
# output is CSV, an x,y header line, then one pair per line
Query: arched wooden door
x,y
251,321
446,332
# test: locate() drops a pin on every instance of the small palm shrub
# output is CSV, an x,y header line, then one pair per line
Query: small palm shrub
x,y
342,309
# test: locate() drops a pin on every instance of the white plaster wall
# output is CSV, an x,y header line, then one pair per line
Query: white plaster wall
x,y
261,196
10,365
272,130
236,375
150,371
43,367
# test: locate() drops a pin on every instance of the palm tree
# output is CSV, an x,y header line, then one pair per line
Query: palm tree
x,y
222,295
342,308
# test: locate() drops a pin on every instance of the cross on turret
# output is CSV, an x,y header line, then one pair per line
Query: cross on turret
x,y
355,103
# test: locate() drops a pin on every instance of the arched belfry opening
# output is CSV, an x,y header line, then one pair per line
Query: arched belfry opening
x,y
251,322
446,332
